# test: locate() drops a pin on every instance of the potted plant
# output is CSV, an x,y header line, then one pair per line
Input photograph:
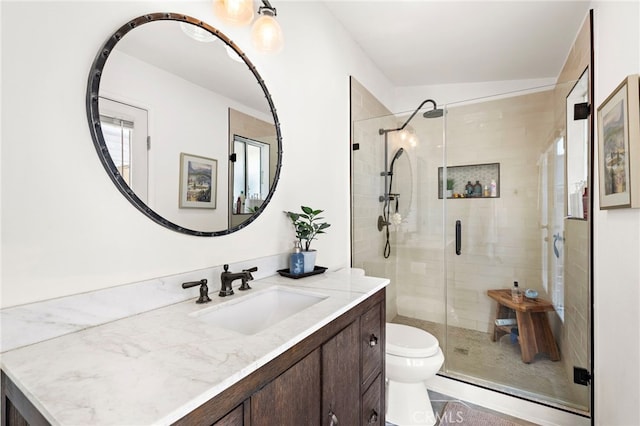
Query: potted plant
x,y
307,226
450,183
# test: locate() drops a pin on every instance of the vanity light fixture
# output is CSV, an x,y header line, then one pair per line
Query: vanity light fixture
x,y
266,34
234,12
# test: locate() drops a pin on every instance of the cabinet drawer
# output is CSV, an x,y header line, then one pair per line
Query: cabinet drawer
x,y
372,343
372,400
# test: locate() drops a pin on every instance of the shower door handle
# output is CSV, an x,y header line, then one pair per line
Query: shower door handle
x,y
458,237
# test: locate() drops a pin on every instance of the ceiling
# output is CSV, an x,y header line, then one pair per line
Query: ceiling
x,y
428,42
166,45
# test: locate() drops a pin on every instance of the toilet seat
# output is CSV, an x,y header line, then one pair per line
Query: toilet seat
x,y
406,341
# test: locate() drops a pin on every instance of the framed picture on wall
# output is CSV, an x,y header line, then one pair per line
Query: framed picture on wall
x,y
198,181
618,144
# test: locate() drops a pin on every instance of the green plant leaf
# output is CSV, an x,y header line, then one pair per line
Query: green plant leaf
x,y
306,225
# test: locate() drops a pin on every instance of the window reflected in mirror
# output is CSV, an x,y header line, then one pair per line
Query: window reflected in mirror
x,y
118,135
250,174
125,132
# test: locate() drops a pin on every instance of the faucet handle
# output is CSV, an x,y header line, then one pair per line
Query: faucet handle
x,y
194,283
248,277
204,290
226,267
249,271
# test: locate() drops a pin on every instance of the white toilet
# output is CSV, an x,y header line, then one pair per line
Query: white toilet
x,y
412,356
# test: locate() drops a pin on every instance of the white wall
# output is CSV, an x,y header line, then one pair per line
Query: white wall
x,y
65,227
616,239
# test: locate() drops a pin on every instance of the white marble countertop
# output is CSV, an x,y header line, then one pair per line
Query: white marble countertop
x,y
157,366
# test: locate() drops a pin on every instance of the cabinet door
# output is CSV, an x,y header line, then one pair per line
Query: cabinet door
x,y
372,341
292,399
341,377
234,418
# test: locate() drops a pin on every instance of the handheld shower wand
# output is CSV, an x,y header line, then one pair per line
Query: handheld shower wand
x,y
395,157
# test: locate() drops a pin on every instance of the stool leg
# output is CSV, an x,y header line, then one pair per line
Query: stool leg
x,y
501,312
545,342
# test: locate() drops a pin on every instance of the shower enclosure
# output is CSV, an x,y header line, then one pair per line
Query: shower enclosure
x,y
472,201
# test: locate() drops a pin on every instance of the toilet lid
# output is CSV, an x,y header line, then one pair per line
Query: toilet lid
x,y
403,340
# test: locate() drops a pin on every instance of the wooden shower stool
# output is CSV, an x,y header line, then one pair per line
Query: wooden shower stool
x,y
534,332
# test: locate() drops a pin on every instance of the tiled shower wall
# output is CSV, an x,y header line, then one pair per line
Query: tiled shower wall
x,y
366,164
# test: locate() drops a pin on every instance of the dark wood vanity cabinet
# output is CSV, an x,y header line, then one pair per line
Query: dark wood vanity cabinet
x,y
339,376
335,374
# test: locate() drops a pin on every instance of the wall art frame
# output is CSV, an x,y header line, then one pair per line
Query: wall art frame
x,y
198,181
618,144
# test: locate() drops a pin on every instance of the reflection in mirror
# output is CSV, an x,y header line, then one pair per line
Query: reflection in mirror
x,y
253,144
250,173
125,132
578,148
167,84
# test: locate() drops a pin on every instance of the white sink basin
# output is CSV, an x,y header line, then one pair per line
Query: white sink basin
x,y
253,313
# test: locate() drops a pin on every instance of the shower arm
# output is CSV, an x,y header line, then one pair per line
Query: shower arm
x,y
385,131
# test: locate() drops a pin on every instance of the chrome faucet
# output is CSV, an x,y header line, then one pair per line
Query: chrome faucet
x,y
227,278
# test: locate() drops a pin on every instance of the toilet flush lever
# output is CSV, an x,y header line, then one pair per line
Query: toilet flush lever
x,y
373,340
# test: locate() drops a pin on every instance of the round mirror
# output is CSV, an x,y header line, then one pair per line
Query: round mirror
x,y
184,124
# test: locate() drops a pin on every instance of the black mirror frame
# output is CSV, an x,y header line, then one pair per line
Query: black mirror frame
x,y
93,117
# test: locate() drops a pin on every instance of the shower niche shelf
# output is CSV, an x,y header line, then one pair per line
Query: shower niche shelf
x,y
483,173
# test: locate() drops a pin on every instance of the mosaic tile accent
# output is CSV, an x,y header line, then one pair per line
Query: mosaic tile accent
x,y
483,173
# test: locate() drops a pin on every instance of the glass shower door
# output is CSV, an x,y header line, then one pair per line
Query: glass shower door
x,y
504,223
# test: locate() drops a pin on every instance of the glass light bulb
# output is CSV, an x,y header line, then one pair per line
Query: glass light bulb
x,y
234,12
266,35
